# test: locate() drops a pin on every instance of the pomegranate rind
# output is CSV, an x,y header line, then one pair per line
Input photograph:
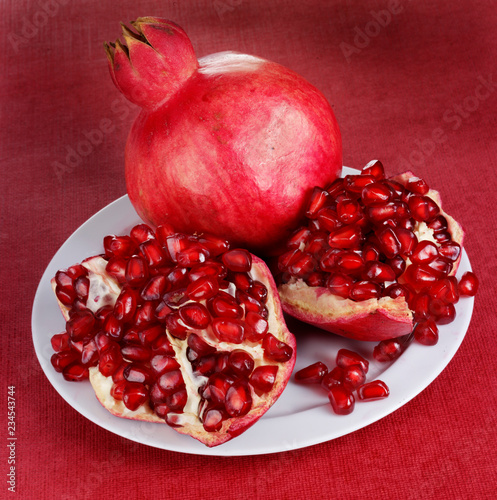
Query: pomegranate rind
x,y
191,424
369,320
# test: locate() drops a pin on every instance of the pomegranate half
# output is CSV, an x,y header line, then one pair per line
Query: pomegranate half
x,y
177,329
375,257
230,144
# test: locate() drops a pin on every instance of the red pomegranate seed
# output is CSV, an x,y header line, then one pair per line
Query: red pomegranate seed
x,y
75,372
153,253
346,237
125,306
176,243
328,219
339,284
119,246
199,345
442,237
110,359
407,239
207,269
350,263
228,330
374,168
256,327
420,276
356,183
103,341
82,286
346,358
284,260
136,271
135,372
334,377
316,279
162,345
396,290
276,350
141,233
364,290
136,353
241,363
177,401
225,305
426,332
237,260
312,374
450,250
81,325
148,335
388,350
303,266
389,243
259,291
212,419
161,364
89,354
423,208
263,378
76,271
348,211
329,259
396,187
192,256
171,381
163,231
353,376
248,302
373,391
134,395
446,290
117,390
438,224
379,272
417,185
205,365
178,277
440,266
118,375
214,244
381,213
61,360
65,295
318,244
155,288
299,238
217,387
113,327
203,288
442,312
317,201
370,253
341,399
242,281
398,265
194,315
238,399
60,342
468,285
375,194
116,267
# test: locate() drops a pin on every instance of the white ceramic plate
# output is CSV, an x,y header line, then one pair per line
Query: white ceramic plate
x,y
301,417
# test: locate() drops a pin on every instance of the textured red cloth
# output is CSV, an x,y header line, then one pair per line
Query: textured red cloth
x,y
411,82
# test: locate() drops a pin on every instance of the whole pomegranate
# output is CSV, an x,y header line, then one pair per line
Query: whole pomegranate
x,y
175,328
231,144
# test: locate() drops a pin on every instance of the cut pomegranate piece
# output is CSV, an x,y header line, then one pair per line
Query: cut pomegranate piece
x,y
404,240
188,346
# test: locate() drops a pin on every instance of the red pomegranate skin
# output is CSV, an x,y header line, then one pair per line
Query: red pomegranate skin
x,y
234,150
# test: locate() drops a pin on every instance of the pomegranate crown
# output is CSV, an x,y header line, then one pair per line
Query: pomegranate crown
x,y
153,62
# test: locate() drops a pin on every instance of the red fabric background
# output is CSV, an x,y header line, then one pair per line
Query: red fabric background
x,y
417,76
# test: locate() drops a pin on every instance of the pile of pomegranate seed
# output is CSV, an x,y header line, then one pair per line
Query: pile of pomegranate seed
x,y
346,378
178,300
368,237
